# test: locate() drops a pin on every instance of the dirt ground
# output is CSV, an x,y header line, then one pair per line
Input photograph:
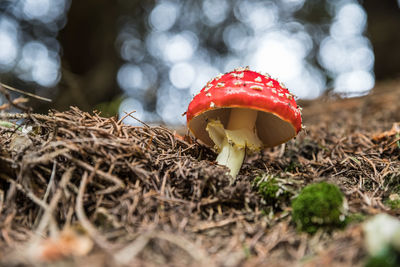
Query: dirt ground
x,y
77,189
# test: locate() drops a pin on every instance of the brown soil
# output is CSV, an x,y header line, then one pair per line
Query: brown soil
x,y
83,190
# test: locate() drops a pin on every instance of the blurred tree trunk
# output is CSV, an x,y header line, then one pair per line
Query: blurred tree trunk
x,y
90,60
384,33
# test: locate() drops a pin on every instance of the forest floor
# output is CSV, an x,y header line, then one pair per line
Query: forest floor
x,y
77,189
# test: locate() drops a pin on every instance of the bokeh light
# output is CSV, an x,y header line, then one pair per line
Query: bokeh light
x,y
346,53
282,54
182,75
163,16
261,34
258,15
130,77
9,44
177,46
215,11
39,64
33,55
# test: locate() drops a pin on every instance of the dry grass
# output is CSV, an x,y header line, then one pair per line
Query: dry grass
x,y
80,189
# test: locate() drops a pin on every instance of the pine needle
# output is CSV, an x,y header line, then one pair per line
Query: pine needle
x,y
25,93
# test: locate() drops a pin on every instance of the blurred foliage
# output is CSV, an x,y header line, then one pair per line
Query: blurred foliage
x,y
110,108
87,44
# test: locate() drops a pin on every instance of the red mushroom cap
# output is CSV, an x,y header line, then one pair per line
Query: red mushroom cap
x,y
279,117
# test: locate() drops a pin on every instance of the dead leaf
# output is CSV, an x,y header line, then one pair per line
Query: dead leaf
x,y
68,243
393,131
19,143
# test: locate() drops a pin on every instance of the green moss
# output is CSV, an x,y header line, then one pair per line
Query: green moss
x,y
292,166
393,204
355,218
110,108
246,251
396,188
393,183
268,190
392,199
389,257
317,206
272,189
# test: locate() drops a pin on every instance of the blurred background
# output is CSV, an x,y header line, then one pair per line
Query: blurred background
x,y
154,56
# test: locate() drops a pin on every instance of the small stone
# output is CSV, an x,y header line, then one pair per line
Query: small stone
x,y
380,232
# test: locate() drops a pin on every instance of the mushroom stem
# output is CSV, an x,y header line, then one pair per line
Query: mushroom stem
x,y
242,118
231,156
233,148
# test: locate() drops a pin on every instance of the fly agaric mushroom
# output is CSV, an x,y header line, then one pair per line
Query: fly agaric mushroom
x,y
243,110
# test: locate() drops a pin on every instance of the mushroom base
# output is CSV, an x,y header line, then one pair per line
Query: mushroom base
x,y
231,156
233,143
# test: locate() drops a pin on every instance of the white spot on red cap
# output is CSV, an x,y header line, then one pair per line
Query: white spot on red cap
x,y
258,79
208,94
237,75
267,75
282,85
237,83
212,104
220,85
289,96
241,69
256,87
273,90
280,94
218,76
270,83
208,87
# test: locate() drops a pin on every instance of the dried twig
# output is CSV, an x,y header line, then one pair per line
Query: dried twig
x,y
24,93
80,213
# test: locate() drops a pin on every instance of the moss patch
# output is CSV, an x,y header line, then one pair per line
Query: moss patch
x,y
355,218
319,205
273,189
269,190
393,204
389,257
